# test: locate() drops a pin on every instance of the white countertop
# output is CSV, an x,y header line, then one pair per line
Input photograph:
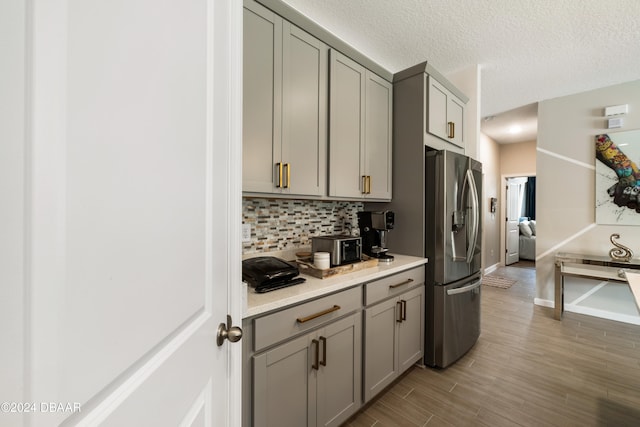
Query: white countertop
x,y
314,287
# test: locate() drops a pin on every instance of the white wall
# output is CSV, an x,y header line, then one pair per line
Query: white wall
x,y
468,81
489,155
566,178
518,159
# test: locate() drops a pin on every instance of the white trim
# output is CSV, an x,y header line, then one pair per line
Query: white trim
x,y
503,209
235,290
543,302
492,268
625,318
566,159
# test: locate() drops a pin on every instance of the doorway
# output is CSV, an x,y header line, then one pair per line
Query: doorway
x,y
520,214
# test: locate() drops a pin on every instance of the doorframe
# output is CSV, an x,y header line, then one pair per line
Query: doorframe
x,y
234,291
503,210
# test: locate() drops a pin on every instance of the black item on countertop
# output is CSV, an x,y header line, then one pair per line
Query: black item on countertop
x,y
268,273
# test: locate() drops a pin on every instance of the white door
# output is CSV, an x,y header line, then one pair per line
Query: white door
x,y
515,191
131,217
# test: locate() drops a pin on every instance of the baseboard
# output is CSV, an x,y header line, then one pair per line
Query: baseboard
x,y
543,302
603,314
594,312
492,268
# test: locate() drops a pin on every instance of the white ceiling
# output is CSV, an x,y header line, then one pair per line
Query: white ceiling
x,y
528,50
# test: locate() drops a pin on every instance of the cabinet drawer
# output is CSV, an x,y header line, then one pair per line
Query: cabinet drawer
x,y
276,327
393,285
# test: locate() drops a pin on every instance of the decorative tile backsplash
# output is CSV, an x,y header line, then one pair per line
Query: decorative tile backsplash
x,y
283,224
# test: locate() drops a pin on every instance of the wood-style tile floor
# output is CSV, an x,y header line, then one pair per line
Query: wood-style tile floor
x,y
527,369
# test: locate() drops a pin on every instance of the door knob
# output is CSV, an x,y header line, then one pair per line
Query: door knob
x,y
231,333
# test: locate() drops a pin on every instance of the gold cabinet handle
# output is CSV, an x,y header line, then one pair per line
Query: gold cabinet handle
x,y
366,184
397,285
279,166
288,184
452,129
323,362
314,365
318,314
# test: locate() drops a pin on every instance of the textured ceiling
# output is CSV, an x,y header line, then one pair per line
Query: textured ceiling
x,y
528,50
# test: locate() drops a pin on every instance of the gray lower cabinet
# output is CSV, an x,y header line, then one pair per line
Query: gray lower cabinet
x,y
394,328
304,363
360,115
284,106
312,380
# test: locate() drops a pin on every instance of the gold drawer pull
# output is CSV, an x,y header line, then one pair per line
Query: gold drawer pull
x,y
397,285
288,184
319,314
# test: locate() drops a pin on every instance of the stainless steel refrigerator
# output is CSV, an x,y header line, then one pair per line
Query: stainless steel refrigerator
x,y
436,201
452,216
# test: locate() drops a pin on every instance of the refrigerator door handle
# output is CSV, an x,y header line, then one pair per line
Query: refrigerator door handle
x,y
475,213
464,289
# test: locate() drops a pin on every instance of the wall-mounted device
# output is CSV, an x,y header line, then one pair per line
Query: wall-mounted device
x,y
616,110
493,203
615,123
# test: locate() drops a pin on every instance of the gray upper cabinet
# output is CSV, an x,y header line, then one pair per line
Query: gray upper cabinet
x,y
360,114
428,108
346,132
284,106
445,113
379,103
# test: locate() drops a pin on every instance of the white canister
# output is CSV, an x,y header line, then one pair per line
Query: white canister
x,y
321,260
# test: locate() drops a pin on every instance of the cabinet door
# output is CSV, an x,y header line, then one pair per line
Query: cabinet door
x,y
445,114
380,366
339,376
262,93
284,389
379,103
346,131
455,115
437,109
411,329
304,114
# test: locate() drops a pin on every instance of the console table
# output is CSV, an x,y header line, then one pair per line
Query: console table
x,y
592,267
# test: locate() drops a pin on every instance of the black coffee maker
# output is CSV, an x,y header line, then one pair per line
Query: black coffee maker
x,y
373,231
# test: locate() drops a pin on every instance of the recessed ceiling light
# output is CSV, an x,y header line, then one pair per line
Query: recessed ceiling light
x,y
515,129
